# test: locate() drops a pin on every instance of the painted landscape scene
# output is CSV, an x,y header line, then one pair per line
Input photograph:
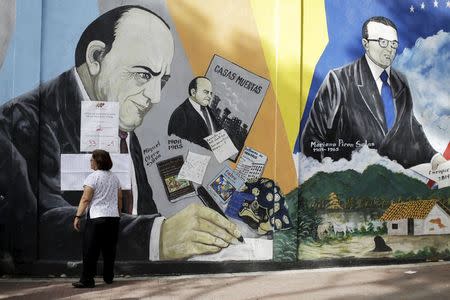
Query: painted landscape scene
x,y
374,214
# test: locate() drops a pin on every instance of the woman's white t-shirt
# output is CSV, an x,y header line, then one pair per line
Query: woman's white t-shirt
x,y
104,202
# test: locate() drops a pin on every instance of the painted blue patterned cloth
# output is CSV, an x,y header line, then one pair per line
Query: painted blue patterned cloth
x,y
235,204
260,204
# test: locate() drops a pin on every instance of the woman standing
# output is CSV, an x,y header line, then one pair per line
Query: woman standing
x,y
102,197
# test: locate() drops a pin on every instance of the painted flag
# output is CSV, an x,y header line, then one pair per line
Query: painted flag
x,y
432,184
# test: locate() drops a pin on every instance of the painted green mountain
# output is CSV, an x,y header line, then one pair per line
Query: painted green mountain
x,y
375,183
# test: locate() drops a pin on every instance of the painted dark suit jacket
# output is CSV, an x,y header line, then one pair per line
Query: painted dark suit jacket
x,y
348,107
186,123
35,129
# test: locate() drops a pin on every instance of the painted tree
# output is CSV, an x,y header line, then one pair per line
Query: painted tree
x,y
333,201
349,204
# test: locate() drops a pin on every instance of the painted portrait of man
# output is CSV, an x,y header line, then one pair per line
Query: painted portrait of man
x,y
125,56
368,102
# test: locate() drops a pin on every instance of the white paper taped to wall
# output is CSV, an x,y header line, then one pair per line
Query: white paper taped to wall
x,y
99,126
76,167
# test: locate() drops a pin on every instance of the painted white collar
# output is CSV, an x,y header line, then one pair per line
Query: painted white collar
x,y
196,106
80,85
376,70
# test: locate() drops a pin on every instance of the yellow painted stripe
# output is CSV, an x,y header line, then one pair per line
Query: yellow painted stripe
x,y
314,39
279,25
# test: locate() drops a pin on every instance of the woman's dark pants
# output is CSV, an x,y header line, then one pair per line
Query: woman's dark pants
x,y
100,234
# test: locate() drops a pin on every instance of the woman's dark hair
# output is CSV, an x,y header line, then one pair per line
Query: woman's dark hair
x,y
102,159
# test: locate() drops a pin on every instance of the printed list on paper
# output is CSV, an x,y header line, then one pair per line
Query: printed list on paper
x,y
99,126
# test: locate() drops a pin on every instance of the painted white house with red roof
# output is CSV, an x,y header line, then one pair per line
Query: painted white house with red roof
x,y
420,217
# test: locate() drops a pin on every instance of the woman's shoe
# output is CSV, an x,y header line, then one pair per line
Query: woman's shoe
x,y
81,285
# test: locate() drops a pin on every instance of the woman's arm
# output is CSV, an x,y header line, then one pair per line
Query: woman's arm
x,y
84,202
119,200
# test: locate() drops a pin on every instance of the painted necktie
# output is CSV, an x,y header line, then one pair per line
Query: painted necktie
x,y
388,101
123,141
127,195
205,115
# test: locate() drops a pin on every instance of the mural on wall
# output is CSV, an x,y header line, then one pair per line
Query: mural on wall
x,y
134,56
374,131
203,123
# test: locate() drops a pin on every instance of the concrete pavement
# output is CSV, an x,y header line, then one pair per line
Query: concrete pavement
x,y
413,281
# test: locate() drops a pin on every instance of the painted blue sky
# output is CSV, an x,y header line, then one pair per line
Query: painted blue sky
x,y
427,65
43,47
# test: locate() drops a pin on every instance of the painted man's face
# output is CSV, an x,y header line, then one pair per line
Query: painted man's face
x,y
136,68
382,56
203,94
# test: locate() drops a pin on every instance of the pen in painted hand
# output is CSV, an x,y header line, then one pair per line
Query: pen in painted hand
x,y
208,201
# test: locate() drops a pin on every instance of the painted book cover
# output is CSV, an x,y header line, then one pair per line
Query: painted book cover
x,y
224,184
175,188
238,94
